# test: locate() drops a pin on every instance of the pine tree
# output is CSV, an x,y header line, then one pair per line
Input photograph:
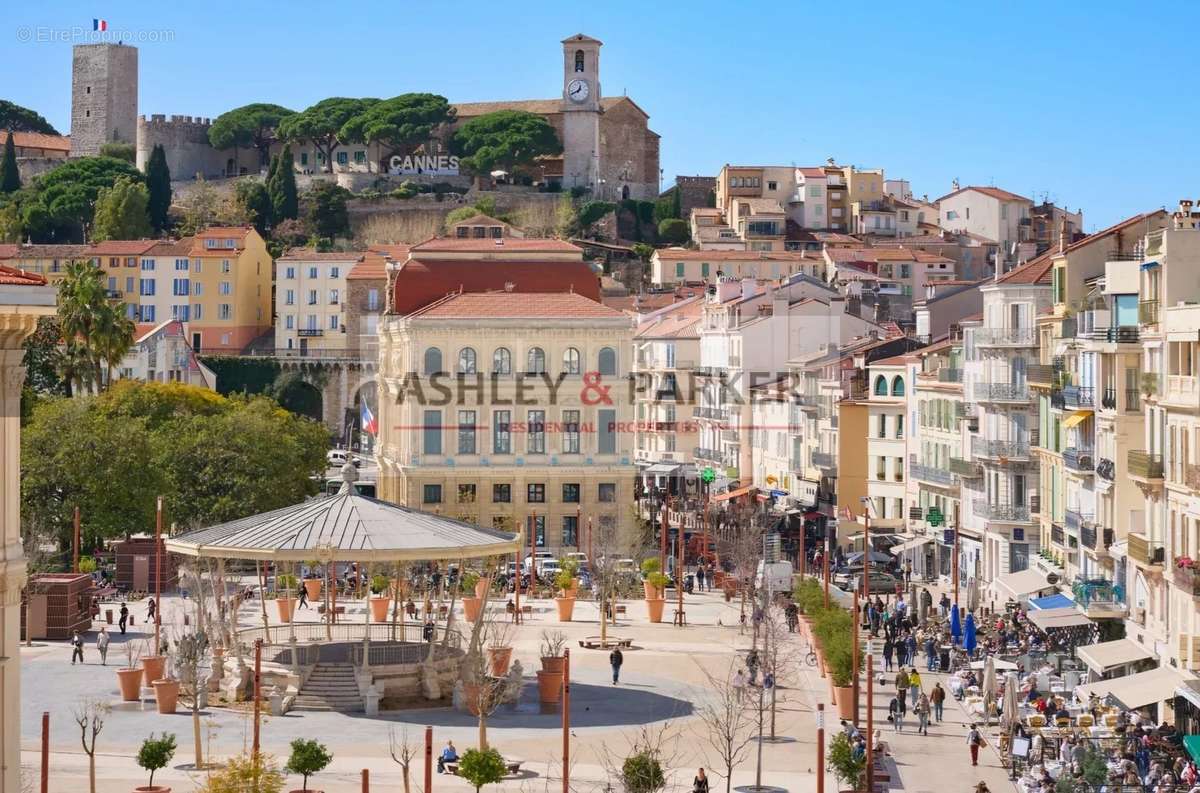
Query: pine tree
x,y
10,178
281,184
158,183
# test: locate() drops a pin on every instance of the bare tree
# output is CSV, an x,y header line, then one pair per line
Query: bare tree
x,y
191,654
90,718
658,742
743,547
403,753
482,692
727,720
606,576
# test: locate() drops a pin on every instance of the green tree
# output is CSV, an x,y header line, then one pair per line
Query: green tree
x,y
504,140
590,214
281,185
673,231
10,177
643,251
481,767
22,119
119,150
249,126
326,212
43,359
156,753
307,758
254,202
842,762
400,124
91,321
158,183
122,212
322,124
642,772
62,201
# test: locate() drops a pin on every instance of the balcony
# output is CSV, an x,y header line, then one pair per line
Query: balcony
x,y
967,469
716,414
729,435
1132,399
1106,469
1078,459
1148,312
1075,519
948,375
1005,337
1145,466
1040,374
1079,397
929,473
711,455
1001,392
1108,400
1098,594
824,461
1145,552
1008,513
1035,505
1182,390
1087,536
1124,334
1186,578
1002,450
1057,536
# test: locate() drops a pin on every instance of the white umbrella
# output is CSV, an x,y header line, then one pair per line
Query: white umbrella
x,y
972,594
1000,664
989,688
1008,708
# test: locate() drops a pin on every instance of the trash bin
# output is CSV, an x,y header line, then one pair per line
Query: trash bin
x,y
108,616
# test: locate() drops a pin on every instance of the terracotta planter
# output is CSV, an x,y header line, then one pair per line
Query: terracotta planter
x,y
654,607
312,586
472,608
131,684
553,663
166,694
299,790
379,608
284,606
549,686
152,789
566,607
650,590
498,659
482,586
844,695
154,668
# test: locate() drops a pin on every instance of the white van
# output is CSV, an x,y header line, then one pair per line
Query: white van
x,y
776,577
336,458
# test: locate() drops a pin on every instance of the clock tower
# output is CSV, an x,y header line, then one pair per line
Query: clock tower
x,y
581,113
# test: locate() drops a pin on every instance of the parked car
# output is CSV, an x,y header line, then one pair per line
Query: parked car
x,y
538,559
880,583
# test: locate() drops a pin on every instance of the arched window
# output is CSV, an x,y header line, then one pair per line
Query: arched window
x,y
466,361
897,386
881,386
607,361
579,60
535,361
625,193
570,361
433,360
502,361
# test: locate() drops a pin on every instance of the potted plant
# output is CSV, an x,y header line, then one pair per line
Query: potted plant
x,y
843,763
481,767
312,583
87,565
499,650
153,668
482,584
285,600
564,580
154,754
472,605
550,676
166,694
650,567
656,585
307,758
379,601
130,677
569,566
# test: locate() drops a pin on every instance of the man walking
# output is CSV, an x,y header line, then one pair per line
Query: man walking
x,y
124,620
77,644
938,699
102,646
615,659
151,606
896,712
901,682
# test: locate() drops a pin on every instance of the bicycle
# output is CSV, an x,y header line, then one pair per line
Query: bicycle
x,y
811,657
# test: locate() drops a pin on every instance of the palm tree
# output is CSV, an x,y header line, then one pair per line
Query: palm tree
x,y
95,326
75,366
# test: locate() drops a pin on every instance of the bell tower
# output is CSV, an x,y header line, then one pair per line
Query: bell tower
x,y
581,112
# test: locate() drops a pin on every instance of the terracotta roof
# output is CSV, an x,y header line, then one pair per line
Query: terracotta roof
x,y
310,255
686,254
171,247
39,251
895,360
812,173
1113,229
653,301
123,247
994,192
516,305
37,140
236,233
422,281
8,250
371,267
762,205
681,321
540,106
509,244
480,219
706,211
13,276
1034,271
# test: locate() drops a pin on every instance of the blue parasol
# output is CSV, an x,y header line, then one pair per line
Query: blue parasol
x,y
969,638
955,624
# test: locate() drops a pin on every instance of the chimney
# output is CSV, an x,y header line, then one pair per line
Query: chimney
x,y
1062,234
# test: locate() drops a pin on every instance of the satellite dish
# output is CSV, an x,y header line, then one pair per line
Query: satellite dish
x,y
1052,578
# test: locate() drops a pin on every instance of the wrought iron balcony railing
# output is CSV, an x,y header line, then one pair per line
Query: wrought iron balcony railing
x,y
1078,459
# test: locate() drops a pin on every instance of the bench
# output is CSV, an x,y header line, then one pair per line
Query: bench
x,y
594,643
620,609
512,766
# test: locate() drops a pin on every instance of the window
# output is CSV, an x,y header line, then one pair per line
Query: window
x,y
304,158
579,60
180,287
881,388
898,386
466,361
501,432
372,300
606,431
606,362
291,322
538,527
900,426
334,297
197,288
814,191
536,432
882,426
360,157
197,312
342,158
570,361
535,493
679,272
224,288
466,432
290,272
535,361
570,492
179,313
772,186
147,313
502,361
432,494
148,264
466,494
431,442
570,442
433,360
334,322
224,311
704,269
312,272
570,530
146,287
502,494
289,297
312,297
606,492
311,321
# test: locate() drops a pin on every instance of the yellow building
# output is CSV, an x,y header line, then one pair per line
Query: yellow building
x,y
231,289
310,299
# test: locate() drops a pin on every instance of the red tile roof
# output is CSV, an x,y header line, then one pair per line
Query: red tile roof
x,y
422,281
895,360
37,140
685,254
237,233
12,276
310,255
123,247
509,244
517,305
810,173
172,247
1115,228
48,251
994,192
1035,271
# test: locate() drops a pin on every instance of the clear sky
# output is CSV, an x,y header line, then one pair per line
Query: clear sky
x,y
1086,103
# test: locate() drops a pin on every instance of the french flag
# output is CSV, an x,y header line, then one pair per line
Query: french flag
x,y
99,24
369,424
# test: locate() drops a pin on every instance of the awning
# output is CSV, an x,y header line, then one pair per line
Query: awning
x,y
1075,419
1049,619
1058,601
1023,583
1192,744
1149,265
1136,691
741,491
915,542
662,469
1106,655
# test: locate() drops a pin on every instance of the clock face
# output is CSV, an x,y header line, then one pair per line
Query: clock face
x,y
577,90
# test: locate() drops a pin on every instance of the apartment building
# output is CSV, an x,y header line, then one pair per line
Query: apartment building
x,y
230,281
310,300
887,436
770,447
710,232
163,291
810,198
666,352
366,299
161,354
676,266
49,261
990,212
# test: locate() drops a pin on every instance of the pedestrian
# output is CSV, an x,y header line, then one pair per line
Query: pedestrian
x,y
938,699
896,712
930,654
77,644
974,740
752,666
888,648
922,711
124,620
910,647
901,681
102,645
914,685
151,606
739,683
303,603
700,782
615,659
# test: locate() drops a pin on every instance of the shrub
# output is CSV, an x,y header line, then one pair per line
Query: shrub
x,y
642,773
481,767
658,581
406,189
245,772
307,758
285,582
87,565
842,762
156,753
379,584
469,580
673,231
651,565
832,630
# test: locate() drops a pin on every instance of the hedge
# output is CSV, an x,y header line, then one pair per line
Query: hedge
x,y
832,628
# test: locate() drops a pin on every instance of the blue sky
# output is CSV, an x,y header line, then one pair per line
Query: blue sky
x,y
1084,102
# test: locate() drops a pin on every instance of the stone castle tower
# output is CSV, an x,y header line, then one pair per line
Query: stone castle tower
x,y
581,112
104,96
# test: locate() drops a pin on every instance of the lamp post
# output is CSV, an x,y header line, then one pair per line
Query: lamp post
x,y
870,726
821,747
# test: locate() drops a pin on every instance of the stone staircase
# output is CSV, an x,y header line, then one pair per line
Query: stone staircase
x,y
330,687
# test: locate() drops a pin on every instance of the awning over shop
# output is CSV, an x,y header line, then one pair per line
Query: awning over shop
x,y
1075,419
1023,583
1192,744
915,542
1049,619
741,491
1136,691
1058,601
662,469
1106,655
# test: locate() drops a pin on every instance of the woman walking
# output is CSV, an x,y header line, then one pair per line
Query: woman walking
x,y
974,740
922,711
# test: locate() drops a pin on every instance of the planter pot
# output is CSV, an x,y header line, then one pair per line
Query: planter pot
x,y
284,606
152,789
131,684
821,665
553,663
304,790
472,608
154,668
549,686
379,608
654,607
312,586
482,586
845,701
566,607
498,659
166,693
650,590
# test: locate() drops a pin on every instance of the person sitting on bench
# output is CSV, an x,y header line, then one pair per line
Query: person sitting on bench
x,y
448,755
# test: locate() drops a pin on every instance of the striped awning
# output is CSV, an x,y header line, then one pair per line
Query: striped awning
x,y
1075,419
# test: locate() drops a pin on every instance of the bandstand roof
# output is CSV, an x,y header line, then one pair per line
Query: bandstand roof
x,y
345,527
